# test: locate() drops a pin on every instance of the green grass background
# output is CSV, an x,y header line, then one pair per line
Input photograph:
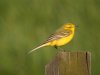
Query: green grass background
x,y
24,24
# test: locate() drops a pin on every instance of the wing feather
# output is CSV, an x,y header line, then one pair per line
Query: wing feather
x,y
58,35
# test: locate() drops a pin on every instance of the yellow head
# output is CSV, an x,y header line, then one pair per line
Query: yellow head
x,y
69,26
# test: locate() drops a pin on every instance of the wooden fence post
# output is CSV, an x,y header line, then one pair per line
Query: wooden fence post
x,y
70,63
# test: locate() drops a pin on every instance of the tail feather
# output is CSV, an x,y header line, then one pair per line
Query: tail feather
x,y
37,48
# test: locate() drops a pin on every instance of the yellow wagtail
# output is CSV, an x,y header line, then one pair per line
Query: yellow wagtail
x,y
61,37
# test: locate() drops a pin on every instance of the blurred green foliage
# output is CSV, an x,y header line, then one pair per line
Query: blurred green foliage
x,y
24,24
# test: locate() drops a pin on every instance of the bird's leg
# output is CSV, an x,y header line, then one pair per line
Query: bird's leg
x,y
59,48
56,47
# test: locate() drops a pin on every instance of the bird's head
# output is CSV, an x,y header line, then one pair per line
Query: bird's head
x,y
69,26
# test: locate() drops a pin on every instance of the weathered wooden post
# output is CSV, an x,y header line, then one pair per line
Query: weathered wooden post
x,y
70,63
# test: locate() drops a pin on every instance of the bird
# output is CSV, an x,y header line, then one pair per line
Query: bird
x,y
60,37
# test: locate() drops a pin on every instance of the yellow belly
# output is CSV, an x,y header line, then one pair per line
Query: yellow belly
x,y
62,41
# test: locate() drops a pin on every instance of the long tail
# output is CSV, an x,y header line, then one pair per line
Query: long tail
x,y
37,48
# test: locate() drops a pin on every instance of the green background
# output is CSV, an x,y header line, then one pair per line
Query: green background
x,y
24,24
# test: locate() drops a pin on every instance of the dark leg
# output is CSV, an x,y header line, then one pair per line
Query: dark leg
x,y
59,48
56,47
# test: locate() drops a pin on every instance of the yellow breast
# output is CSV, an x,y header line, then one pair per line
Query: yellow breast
x,y
62,41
